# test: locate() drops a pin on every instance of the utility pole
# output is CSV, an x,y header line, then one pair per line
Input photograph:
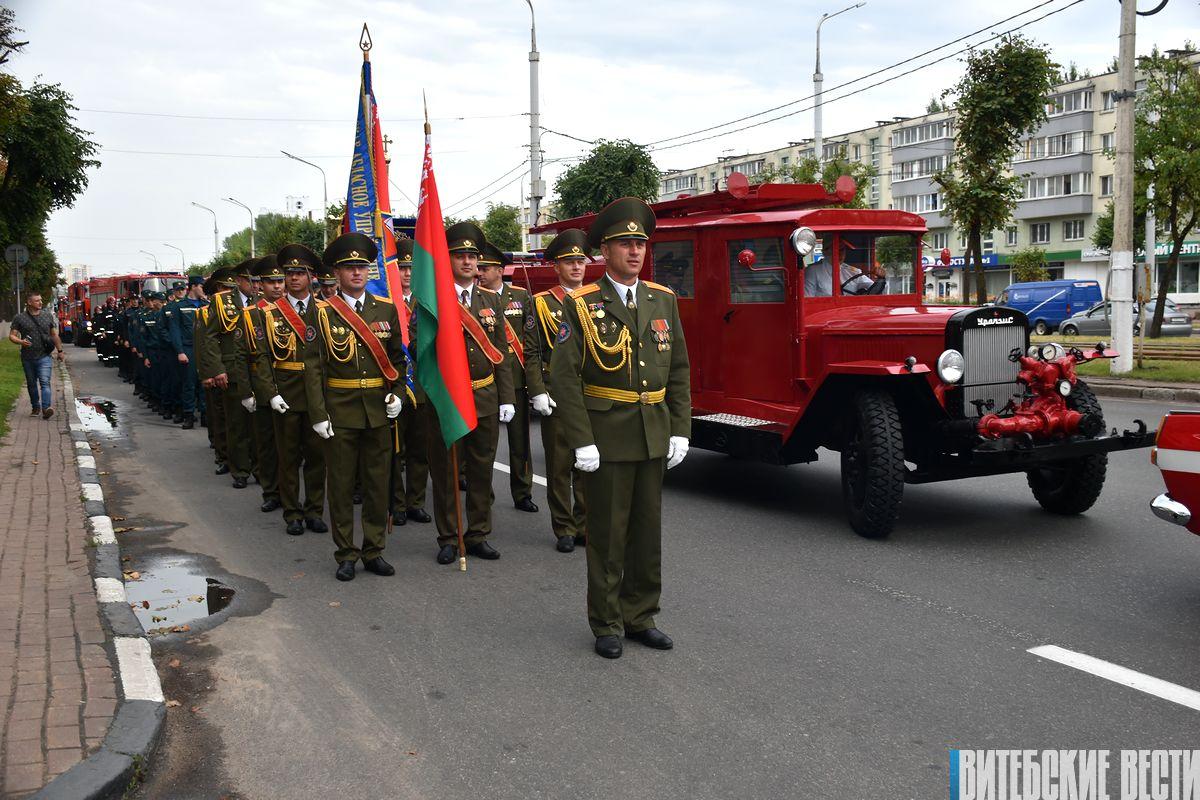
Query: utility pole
x,y
251,213
324,196
182,266
1147,273
216,236
1121,269
537,187
818,80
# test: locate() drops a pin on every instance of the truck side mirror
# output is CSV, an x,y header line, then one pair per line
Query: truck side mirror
x,y
746,259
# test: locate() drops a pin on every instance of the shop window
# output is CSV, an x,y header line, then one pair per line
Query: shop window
x,y
1189,273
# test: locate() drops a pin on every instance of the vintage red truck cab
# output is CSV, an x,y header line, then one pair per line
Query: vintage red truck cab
x,y
806,329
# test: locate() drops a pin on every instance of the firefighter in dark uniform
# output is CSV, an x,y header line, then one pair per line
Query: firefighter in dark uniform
x,y
268,279
518,307
411,460
491,380
620,377
137,330
157,347
354,384
208,366
226,325
568,253
121,327
290,325
181,331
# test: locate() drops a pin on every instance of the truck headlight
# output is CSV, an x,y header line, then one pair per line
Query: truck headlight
x,y
804,241
950,366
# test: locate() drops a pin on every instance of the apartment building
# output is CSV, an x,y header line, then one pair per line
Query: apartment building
x,y
1066,167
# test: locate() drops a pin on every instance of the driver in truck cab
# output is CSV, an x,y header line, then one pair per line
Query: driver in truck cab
x,y
852,275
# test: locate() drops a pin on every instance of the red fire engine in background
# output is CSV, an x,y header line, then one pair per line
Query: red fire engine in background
x,y
806,328
85,297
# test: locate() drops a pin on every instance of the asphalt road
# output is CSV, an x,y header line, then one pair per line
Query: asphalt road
x,y
808,661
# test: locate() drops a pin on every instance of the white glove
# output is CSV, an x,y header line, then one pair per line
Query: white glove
x,y
544,404
324,429
250,405
677,448
507,412
587,458
392,404
278,404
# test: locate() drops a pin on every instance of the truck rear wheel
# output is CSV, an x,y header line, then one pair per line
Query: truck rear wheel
x,y
873,465
1072,487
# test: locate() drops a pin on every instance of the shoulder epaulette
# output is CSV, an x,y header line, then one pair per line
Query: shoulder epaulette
x,y
383,299
516,288
585,290
489,291
659,286
322,304
543,294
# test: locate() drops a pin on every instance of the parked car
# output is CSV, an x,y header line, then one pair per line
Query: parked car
x,y
1097,320
1048,303
1175,453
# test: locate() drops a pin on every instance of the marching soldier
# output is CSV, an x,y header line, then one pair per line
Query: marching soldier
x,y
411,460
621,381
268,280
517,309
352,375
208,366
226,326
564,484
482,319
327,282
290,325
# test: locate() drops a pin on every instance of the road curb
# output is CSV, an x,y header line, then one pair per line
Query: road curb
x,y
1170,394
137,723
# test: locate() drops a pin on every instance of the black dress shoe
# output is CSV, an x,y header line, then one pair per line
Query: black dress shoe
x,y
269,505
608,646
239,482
295,527
178,418
526,504
316,525
566,544
418,515
188,423
345,571
399,518
446,554
379,567
483,550
651,637
222,469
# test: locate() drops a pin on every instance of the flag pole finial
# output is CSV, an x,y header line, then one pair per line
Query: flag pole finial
x,y
364,42
425,103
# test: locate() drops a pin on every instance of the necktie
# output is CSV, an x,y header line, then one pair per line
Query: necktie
x,y
629,300
358,306
464,297
300,306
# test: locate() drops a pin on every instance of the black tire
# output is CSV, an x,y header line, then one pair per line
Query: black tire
x,y
1072,487
1041,328
1070,330
873,465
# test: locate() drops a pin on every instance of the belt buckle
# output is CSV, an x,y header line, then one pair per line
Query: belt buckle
x,y
644,398
362,383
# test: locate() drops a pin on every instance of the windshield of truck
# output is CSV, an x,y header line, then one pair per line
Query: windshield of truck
x,y
868,264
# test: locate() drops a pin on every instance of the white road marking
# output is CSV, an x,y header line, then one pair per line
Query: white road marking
x,y
1122,675
538,479
83,446
110,590
139,679
86,462
92,491
102,530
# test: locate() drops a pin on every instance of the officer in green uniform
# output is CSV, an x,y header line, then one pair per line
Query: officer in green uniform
x,y
290,325
208,366
568,253
226,326
265,464
491,380
621,380
518,307
411,460
354,385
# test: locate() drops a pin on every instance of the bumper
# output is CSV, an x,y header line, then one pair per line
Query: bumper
x,y
1170,510
1176,329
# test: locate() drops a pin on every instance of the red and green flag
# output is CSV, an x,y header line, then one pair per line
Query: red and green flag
x,y
439,350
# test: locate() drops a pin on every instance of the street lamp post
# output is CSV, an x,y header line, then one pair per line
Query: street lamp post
x,y
537,187
182,266
324,196
251,213
216,237
818,79
147,252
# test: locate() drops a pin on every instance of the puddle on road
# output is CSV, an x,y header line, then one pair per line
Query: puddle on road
x,y
98,415
169,593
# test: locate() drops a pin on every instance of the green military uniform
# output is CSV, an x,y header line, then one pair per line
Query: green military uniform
x,y
226,327
345,386
493,387
208,366
266,461
411,460
517,309
564,483
279,371
621,381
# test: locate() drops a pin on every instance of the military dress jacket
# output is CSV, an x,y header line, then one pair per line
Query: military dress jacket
x,y
541,330
492,384
621,377
251,344
226,326
282,356
343,383
518,307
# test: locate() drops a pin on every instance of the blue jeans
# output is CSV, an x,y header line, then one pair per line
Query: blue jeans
x,y
37,374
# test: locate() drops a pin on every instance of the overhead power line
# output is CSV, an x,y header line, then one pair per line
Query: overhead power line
x,y
339,120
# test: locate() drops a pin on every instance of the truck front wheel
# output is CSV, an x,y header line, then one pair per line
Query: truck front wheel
x,y
1072,487
873,465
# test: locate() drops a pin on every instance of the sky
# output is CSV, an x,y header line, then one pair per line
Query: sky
x,y
236,82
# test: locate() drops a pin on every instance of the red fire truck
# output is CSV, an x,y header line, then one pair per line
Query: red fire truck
x,y
806,329
84,297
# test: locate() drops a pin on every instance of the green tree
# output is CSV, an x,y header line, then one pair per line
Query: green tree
x,y
935,106
1000,98
1102,232
805,171
502,226
333,219
1029,264
1168,117
8,35
612,170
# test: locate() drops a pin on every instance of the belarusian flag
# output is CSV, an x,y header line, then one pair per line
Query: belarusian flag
x,y
441,351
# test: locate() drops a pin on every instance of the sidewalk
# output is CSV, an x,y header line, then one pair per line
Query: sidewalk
x,y
57,688
1146,390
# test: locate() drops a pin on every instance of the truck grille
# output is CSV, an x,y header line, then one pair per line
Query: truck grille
x,y
989,374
